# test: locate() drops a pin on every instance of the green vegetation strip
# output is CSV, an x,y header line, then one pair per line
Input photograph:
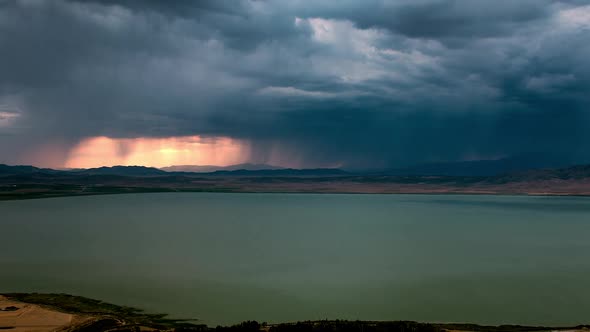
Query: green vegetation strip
x,y
111,317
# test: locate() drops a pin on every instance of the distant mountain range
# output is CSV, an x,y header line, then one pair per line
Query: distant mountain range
x,y
460,168
282,172
569,173
24,169
212,168
115,170
478,168
123,170
142,171
484,167
252,170
19,182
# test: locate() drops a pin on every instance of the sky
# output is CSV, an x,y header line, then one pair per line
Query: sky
x,y
314,83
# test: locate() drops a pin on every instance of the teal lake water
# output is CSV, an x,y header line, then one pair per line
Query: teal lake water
x,y
225,258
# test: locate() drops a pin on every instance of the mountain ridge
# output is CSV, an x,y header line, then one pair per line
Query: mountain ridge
x,y
213,168
497,169
484,167
122,170
30,182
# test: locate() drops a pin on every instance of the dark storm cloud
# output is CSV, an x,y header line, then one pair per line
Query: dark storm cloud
x,y
357,83
437,19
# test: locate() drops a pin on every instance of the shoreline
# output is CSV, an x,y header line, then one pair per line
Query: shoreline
x,y
142,190
573,181
63,312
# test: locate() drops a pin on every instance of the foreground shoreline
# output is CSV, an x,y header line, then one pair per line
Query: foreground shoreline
x,y
63,312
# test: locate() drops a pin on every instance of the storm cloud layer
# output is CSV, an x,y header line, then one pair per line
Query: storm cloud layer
x,y
363,83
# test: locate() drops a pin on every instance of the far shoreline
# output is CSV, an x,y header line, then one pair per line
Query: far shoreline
x,y
30,182
136,191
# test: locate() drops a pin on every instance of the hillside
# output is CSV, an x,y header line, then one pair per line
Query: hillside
x,y
123,171
211,168
19,182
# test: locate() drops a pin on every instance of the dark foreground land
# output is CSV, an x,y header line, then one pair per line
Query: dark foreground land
x,y
89,315
25,182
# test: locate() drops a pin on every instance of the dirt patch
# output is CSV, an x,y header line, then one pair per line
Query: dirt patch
x,y
24,317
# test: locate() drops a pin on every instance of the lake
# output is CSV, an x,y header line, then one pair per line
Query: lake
x,y
225,258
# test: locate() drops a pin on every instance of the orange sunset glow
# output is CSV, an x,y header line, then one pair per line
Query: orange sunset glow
x,y
157,152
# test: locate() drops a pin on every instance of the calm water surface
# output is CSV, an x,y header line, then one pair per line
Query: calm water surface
x,y
225,258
